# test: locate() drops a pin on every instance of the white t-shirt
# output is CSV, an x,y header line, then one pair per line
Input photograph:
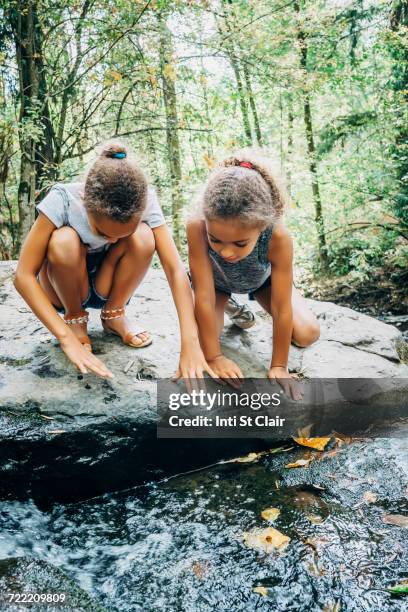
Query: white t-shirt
x,y
64,205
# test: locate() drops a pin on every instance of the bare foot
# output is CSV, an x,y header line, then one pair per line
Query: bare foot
x,y
122,327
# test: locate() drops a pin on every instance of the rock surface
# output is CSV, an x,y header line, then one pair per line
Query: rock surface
x,y
58,429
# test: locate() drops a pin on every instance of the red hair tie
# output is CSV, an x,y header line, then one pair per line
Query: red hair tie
x,y
246,165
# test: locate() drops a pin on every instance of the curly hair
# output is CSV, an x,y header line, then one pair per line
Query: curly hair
x,y
245,186
115,186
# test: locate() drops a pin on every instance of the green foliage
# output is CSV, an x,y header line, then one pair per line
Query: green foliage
x,y
341,128
358,252
237,76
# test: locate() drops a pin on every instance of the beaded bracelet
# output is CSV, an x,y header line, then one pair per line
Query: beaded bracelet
x,y
83,318
113,313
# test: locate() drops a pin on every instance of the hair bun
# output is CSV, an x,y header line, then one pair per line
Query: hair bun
x,y
115,150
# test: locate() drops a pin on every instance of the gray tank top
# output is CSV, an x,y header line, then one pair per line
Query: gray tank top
x,y
246,275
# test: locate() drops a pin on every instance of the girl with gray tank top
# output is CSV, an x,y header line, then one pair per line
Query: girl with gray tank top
x,y
90,247
238,243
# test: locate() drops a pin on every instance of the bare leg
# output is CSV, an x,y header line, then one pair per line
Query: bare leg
x,y
122,271
221,300
306,328
63,275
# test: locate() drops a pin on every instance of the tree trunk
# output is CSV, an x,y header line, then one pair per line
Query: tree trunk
x,y
289,150
153,162
203,81
45,166
315,184
252,104
230,50
399,52
241,96
307,114
24,20
168,78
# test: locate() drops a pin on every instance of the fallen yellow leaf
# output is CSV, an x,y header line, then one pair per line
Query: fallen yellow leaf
x,y
261,591
299,463
267,539
270,514
246,459
315,443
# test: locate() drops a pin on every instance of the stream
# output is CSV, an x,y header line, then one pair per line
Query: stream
x,y
177,544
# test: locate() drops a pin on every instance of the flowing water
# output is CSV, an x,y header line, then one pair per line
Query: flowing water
x,y
178,544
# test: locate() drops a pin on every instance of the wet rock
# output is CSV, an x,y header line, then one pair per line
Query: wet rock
x,y
26,576
71,435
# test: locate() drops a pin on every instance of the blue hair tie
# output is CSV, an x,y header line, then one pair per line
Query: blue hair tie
x,y
119,155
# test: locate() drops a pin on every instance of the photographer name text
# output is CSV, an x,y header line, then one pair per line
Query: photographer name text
x,y
261,420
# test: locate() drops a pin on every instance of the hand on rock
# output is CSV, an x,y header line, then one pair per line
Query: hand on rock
x,y
82,358
226,369
289,382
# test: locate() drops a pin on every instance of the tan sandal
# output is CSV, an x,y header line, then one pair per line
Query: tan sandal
x,y
83,317
117,313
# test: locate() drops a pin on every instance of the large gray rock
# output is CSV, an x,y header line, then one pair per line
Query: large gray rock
x,y
58,428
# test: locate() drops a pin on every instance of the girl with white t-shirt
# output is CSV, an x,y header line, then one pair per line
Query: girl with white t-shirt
x,y
91,246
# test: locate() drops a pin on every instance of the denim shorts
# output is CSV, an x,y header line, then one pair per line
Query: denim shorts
x,y
265,284
93,299
251,294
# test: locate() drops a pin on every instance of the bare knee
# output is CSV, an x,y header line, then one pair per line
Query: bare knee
x,y
307,334
65,247
141,242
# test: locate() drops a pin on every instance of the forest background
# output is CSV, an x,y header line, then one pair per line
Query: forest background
x,y
322,84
